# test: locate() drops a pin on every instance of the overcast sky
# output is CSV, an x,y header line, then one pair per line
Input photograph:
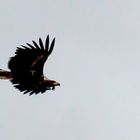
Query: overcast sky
x,y
96,59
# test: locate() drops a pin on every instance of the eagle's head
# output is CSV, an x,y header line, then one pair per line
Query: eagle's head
x,y
51,84
54,83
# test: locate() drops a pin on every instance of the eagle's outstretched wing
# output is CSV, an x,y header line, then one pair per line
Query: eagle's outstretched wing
x,y
27,65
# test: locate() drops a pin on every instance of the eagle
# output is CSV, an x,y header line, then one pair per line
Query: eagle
x,y
26,68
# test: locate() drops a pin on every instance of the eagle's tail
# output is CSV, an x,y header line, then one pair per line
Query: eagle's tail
x,y
5,74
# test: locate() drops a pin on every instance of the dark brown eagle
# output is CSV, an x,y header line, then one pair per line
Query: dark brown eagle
x,y
27,68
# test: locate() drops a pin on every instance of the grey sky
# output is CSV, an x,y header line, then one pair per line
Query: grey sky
x,y
96,59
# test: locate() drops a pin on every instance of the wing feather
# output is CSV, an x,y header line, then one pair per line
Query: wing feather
x,y
36,45
47,44
41,44
51,47
30,46
23,47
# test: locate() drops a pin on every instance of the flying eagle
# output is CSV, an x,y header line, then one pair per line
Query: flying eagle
x,y
26,68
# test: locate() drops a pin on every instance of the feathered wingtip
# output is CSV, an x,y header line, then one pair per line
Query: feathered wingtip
x,y
48,48
45,47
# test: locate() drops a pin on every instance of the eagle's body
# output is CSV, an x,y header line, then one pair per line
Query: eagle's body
x,y
27,68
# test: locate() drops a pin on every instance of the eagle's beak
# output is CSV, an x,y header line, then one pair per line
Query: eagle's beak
x,y
56,84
